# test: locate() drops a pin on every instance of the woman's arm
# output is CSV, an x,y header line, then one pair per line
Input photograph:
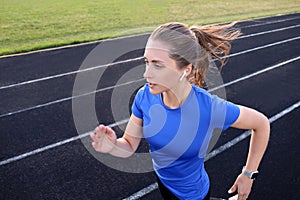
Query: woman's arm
x,y
260,126
105,140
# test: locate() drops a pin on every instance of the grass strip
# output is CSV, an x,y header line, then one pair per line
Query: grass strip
x,y
37,24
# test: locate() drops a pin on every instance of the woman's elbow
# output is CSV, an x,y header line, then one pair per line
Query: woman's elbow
x,y
263,125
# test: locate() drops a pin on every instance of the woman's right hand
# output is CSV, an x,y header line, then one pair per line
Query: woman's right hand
x,y
104,139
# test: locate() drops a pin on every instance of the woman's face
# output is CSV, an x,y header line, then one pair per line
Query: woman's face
x,y
162,73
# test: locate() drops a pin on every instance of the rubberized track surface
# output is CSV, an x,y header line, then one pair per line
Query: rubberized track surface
x,y
36,112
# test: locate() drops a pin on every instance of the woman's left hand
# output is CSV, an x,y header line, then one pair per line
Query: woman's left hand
x,y
243,186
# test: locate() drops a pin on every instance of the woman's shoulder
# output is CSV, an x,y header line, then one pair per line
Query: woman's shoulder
x,y
201,92
141,92
205,97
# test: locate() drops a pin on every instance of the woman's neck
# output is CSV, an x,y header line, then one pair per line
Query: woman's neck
x,y
175,97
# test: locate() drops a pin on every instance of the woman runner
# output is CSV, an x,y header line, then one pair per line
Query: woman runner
x,y
177,116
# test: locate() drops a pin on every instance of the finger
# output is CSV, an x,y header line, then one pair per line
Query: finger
x,y
93,136
96,137
232,189
108,130
97,131
100,130
94,145
235,197
110,133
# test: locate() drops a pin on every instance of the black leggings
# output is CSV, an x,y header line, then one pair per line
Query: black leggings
x,y
168,195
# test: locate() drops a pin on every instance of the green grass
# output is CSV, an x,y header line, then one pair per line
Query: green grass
x,y
35,24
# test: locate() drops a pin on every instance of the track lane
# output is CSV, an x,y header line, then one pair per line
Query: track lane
x,y
74,171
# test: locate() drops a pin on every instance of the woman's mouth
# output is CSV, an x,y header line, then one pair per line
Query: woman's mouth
x,y
151,85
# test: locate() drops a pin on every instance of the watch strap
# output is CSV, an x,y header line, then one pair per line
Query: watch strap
x,y
251,175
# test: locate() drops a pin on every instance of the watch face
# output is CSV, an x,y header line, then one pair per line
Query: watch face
x,y
254,175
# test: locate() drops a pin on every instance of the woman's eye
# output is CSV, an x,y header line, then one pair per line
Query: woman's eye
x,y
153,65
146,63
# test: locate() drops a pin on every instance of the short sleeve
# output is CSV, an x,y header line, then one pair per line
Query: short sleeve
x,y
232,114
136,106
224,113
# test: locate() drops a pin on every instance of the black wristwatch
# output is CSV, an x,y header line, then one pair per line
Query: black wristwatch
x,y
251,175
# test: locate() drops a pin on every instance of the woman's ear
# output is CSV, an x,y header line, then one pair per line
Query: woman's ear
x,y
189,69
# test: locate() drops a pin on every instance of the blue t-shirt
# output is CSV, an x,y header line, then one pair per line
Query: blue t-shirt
x,y
179,138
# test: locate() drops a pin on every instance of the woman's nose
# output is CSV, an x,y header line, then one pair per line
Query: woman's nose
x,y
147,73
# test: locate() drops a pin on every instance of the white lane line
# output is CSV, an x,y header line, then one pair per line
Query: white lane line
x,y
143,192
266,32
98,41
70,73
116,123
72,45
217,151
70,98
51,146
254,74
266,23
247,133
126,61
263,47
